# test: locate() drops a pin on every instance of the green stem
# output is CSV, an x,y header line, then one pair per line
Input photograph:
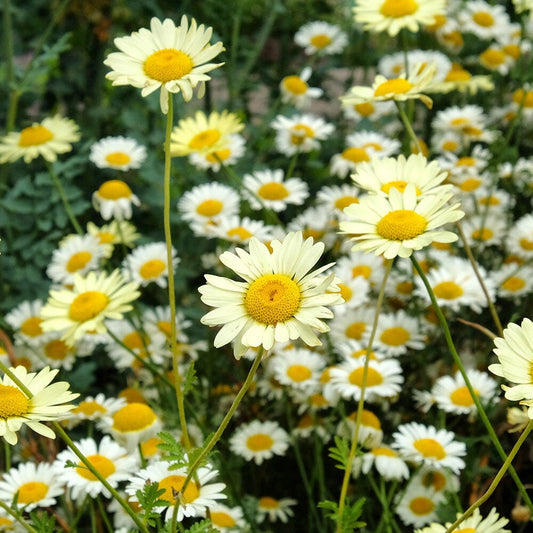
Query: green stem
x,y
17,517
408,127
355,438
63,196
475,397
292,166
10,75
216,436
496,481
171,290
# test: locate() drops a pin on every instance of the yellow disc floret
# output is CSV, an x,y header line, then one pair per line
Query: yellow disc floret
x,y
167,65
87,305
34,136
401,225
133,417
398,8
394,86
12,402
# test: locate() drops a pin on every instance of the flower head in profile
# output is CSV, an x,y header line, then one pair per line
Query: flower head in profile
x,y
114,199
515,355
492,523
48,138
87,304
280,298
295,90
48,402
173,59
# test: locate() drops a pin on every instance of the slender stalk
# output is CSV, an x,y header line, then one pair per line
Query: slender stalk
x,y
408,127
496,481
171,291
17,517
355,437
63,196
13,95
475,397
216,436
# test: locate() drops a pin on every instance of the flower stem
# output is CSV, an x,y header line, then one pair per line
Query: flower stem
x,y
63,196
495,482
171,291
355,437
17,517
475,397
408,127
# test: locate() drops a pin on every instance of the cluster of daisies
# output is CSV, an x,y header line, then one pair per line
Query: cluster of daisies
x,y
343,208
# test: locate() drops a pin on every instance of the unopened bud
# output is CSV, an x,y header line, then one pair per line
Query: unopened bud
x,y
521,513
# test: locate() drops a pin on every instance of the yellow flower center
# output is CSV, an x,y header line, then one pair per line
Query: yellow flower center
x,y
355,155
35,135
299,373
454,38
300,132
396,336
320,40
405,287
518,97
457,73
401,225
462,397
32,492
489,200
482,234
318,400
56,350
222,519
305,422
346,292
526,244
373,377
369,419
240,232
465,162
114,190
398,8
5,523
512,50
266,502
361,270
134,341
430,448
466,530
209,208
450,146
459,121
272,298
387,452
421,506
355,330
448,290
78,261
482,18
152,269
167,65
118,158
295,85
32,326
105,237
365,109
217,155
470,184
89,408
149,447
394,86
259,442
104,466
513,284
87,305
273,191
13,402
173,485
398,184
204,139
472,131
492,57
133,417
345,201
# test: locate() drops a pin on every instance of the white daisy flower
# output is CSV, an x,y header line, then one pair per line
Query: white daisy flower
x,y
275,509
25,319
495,59
226,518
354,292
353,325
485,229
417,506
232,150
519,240
114,199
118,153
77,254
297,368
317,223
116,232
392,65
360,264
295,89
493,200
439,480
279,299
173,59
336,197
469,121
240,230
268,188
427,445
94,408
321,38
353,349
35,485
149,264
156,321
475,523
54,352
484,20
512,281
386,461
110,460
372,111
370,432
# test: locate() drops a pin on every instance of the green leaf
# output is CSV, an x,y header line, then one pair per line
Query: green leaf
x,y
43,522
190,379
340,452
149,500
173,451
205,526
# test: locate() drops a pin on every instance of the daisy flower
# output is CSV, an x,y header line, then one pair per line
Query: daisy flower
x,y
203,133
156,321
300,133
486,229
25,319
515,356
118,153
232,150
49,401
48,138
35,485
417,506
116,232
492,523
173,59
484,20
512,281
114,199
267,188
199,494
372,111
87,304
393,15
295,89
94,408
370,432
258,441
394,64
495,59
77,254
240,230
317,223
280,298
111,461
353,325
359,264
226,518
320,37
386,461
297,368
149,264
427,445
519,240
336,197
354,292
375,143
56,353
275,509
401,223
